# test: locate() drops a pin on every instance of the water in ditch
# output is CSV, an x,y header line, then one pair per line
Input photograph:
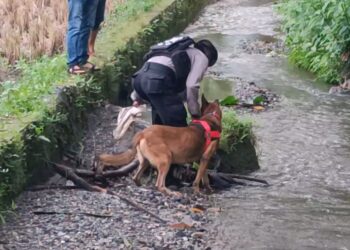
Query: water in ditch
x,y
303,143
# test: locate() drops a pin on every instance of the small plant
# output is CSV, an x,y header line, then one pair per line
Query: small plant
x,y
229,101
5,212
259,100
32,91
234,131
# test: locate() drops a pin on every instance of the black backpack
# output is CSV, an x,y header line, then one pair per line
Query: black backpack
x,y
175,48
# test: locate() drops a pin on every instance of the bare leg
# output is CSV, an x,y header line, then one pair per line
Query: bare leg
x,y
92,40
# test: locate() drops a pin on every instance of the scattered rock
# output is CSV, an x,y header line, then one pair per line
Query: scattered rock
x,y
198,235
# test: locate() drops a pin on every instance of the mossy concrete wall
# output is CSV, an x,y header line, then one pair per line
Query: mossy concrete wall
x,y
24,157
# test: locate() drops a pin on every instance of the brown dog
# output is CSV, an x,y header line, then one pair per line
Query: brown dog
x,y
160,146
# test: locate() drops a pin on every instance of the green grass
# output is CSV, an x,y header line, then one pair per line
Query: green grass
x,y
234,131
132,8
118,29
32,92
318,32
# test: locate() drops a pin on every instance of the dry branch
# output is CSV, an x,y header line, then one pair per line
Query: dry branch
x,y
48,187
68,173
130,202
125,170
73,213
71,175
243,178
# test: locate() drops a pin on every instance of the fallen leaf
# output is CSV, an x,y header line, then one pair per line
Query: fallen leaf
x,y
198,235
44,138
214,209
126,242
180,226
258,108
229,101
196,210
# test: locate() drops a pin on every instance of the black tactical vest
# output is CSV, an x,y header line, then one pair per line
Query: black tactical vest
x,y
175,48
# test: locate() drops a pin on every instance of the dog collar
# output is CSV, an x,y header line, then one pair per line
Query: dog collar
x,y
208,133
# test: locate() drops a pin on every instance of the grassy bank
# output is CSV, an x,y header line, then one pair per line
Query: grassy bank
x,y
318,32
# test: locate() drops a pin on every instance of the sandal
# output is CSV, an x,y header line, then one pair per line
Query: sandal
x,y
76,70
89,66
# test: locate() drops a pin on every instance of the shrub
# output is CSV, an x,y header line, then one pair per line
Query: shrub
x,y
234,131
318,32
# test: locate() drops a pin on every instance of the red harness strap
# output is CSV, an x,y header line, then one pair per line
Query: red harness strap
x,y
208,133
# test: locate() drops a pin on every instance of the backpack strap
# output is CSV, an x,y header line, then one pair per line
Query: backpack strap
x,y
168,47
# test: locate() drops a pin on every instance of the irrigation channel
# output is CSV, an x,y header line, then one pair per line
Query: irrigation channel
x,y
304,142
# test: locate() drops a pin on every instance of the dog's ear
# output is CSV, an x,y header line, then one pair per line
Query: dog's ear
x,y
204,102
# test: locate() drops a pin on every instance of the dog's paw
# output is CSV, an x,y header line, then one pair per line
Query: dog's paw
x,y
196,190
209,190
167,191
176,194
137,181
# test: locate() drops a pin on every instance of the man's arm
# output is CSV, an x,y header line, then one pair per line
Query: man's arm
x,y
199,65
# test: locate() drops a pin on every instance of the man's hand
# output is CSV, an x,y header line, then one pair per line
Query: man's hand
x,y
195,117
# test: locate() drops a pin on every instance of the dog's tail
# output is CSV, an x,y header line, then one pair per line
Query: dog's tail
x,y
117,160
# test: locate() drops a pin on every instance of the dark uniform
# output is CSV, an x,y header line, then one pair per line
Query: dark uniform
x,y
163,80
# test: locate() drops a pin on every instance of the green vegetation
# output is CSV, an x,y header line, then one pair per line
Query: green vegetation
x,y
131,8
318,32
229,101
32,92
234,131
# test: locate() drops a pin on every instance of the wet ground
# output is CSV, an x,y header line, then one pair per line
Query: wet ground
x,y
303,141
77,219
304,152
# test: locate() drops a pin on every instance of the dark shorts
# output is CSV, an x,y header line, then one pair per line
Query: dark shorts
x,y
154,83
100,14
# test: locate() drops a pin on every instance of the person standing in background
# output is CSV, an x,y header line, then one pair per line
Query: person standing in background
x,y
100,11
82,15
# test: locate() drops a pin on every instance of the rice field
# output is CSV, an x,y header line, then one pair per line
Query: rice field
x,y
33,28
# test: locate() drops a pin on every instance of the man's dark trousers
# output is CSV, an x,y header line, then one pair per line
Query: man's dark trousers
x,y
155,83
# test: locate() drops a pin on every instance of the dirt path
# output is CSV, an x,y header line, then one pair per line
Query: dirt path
x,y
77,219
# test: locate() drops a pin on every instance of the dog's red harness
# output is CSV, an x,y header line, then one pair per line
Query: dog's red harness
x,y
208,133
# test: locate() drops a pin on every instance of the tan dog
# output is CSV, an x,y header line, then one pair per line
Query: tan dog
x,y
160,146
